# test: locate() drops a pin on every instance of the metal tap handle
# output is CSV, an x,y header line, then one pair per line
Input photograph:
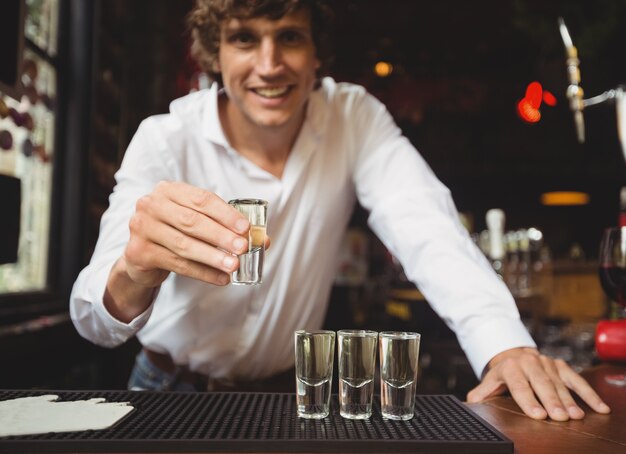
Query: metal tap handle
x,y
574,92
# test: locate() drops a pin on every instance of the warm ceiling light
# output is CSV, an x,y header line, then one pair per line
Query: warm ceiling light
x,y
564,198
383,69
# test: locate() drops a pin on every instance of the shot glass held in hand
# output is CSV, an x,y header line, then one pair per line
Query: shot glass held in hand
x,y
315,351
399,353
251,262
357,364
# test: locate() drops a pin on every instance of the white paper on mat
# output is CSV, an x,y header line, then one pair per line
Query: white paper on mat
x,y
43,414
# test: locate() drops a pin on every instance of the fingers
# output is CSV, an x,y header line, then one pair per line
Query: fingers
x,y
489,387
195,270
544,384
540,385
510,373
580,386
190,248
204,202
516,379
187,230
191,224
143,259
562,405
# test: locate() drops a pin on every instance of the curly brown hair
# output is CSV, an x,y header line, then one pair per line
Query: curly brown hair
x,y
207,16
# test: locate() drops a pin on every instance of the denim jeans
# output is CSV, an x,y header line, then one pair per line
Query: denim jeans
x,y
145,376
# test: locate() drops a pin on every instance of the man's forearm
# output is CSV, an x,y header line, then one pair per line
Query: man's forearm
x,y
123,297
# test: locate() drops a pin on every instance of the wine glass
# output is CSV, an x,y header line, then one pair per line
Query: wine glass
x,y
612,268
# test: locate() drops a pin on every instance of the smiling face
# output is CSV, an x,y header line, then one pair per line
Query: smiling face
x,y
268,69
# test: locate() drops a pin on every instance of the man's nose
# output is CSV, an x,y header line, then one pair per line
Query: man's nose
x,y
269,60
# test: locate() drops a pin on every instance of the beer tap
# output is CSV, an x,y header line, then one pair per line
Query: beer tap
x,y
575,93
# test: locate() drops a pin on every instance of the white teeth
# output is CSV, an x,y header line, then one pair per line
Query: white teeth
x,y
271,92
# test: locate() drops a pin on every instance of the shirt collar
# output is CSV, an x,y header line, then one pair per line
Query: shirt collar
x,y
211,124
315,112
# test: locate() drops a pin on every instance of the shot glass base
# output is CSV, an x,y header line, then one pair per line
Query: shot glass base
x,y
355,415
245,283
398,417
312,414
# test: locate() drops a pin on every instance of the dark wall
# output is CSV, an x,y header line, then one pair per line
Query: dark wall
x,y
459,70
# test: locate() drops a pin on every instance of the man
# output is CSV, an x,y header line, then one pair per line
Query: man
x,y
271,129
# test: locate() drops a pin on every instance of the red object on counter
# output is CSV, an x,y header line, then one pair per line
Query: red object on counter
x,y
611,340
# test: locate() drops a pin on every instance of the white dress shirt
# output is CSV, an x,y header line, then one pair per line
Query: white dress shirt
x,y
348,147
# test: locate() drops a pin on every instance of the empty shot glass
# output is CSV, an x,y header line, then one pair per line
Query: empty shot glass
x,y
399,354
357,364
250,269
315,351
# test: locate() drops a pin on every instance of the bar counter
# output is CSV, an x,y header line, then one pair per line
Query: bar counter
x,y
163,422
596,433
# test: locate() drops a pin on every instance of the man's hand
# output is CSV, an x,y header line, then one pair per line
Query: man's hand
x,y
539,385
177,228
186,230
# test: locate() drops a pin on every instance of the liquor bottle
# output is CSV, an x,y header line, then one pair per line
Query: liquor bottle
x,y
495,226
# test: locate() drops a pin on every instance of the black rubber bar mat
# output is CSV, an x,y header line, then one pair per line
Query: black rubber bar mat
x,y
262,422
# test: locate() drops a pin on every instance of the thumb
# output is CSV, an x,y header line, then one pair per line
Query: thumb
x,y
487,388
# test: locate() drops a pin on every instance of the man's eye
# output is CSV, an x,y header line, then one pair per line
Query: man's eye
x,y
242,38
292,37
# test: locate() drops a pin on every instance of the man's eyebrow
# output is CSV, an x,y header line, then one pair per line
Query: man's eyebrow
x,y
236,28
295,28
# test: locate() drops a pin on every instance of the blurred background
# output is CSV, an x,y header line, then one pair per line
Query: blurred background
x,y
78,77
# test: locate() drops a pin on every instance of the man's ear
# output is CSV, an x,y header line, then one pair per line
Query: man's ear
x,y
215,67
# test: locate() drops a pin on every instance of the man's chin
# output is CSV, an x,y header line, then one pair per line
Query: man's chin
x,y
271,120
